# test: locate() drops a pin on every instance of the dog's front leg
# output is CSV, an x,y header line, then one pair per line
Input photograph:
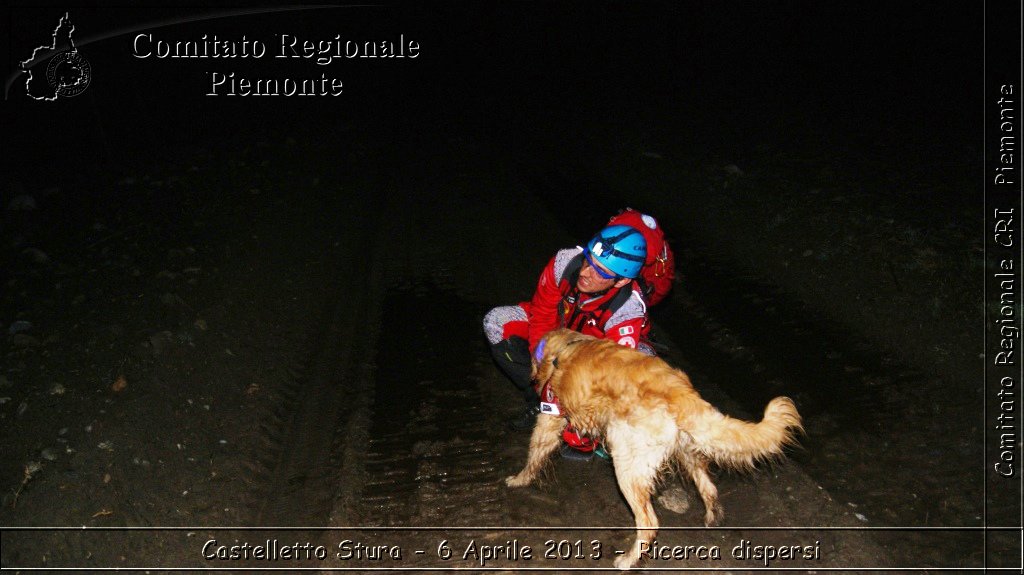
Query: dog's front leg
x,y
547,434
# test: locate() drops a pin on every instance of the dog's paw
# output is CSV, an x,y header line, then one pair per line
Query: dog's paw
x,y
714,516
625,562
517,481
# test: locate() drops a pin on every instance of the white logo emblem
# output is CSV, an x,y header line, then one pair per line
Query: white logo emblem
x,y
549,408
68,73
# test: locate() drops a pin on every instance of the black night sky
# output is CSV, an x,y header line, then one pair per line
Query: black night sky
x,y
727,75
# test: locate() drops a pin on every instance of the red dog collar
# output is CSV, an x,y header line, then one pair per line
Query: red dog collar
x,y
549,405
549,401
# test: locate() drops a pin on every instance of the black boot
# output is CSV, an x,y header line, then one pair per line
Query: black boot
x,y
572,454
513,357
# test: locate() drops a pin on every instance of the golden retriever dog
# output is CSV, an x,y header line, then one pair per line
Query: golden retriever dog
x,y
650,418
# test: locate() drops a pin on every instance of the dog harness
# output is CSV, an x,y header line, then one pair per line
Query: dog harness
x,y
548,400
549,405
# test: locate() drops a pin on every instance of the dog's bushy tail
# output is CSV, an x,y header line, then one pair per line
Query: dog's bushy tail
x,y
740,444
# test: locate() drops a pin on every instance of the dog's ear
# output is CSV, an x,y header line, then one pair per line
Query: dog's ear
x,y
548,348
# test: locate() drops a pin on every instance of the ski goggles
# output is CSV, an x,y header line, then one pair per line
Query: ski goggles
x,y
600,272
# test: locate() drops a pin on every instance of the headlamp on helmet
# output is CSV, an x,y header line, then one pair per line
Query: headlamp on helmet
x,y
620,249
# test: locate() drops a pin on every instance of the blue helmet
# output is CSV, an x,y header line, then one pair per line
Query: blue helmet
x,y
621,249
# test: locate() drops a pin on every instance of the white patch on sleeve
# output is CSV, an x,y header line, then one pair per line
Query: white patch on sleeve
x,y
628,342
562,259
649,221
633,308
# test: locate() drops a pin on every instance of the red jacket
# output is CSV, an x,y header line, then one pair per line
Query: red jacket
x,y
625,325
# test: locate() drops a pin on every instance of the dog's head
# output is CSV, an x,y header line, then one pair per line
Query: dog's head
x,y
550,348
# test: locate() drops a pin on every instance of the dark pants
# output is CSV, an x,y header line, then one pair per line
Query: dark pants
x,y
513,358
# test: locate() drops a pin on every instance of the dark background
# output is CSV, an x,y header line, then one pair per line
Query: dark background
x,y
718,76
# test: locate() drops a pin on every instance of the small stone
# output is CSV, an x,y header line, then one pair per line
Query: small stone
x,y
49,454
57,389
19,326
675,499
159,342
23,340
37,256
22,203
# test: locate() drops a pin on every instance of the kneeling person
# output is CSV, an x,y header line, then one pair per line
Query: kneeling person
x,y
591,290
